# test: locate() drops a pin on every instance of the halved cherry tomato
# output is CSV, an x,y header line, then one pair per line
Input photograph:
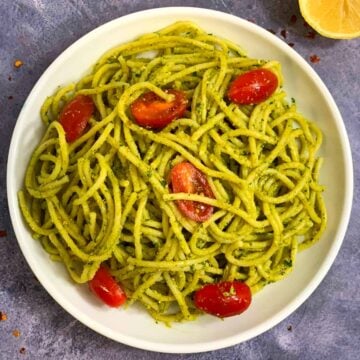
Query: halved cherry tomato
x,y
253,87
75,116
153,112
104,286
223,299
186,178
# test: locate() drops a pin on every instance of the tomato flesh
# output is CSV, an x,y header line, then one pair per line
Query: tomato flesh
x,y
223,299
186,178
104,286
153,112
75,116
253,87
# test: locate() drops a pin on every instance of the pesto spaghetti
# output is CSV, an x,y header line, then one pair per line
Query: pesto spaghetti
x,y
106,197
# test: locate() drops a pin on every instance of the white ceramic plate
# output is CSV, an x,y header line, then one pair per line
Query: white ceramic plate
x,y
134,326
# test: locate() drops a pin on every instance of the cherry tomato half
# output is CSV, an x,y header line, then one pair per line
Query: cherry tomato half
x,y
223,299
153,112
104,286
253,87
75,116
185,177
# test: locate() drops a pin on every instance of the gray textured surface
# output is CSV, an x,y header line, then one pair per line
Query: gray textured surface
x,y
326,326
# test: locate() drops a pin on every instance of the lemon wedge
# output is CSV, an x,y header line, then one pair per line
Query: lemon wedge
x,y
336,19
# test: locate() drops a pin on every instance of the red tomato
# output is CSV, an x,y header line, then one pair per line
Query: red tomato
x,y
151,111
104,286
186,178
223,299
253,87
75,116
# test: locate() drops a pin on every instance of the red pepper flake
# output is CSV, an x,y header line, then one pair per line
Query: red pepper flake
x,y
289,328
291,44
314,59
3,233
10,97
272,31
3,316
16,333
22,350
293,19
310,34
18,63
283,33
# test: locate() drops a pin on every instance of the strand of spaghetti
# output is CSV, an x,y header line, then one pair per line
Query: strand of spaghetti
x,y
117,211
276,224
64,234
148,44
70,226
199,251
50,162
137,226
103,88
238,122
65,257
99,181
180,26
322,209
45,143
216,203
178,296
154,278
99,141
58,97
171,265
226,148
93,130
249,133
294,189
29,218
208,125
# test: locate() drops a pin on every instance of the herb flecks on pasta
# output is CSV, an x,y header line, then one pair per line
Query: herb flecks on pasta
x,y
105,197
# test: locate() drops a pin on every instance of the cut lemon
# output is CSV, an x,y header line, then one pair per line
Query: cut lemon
x,y
337,19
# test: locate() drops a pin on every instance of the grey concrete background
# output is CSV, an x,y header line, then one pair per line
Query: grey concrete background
x,y
326,326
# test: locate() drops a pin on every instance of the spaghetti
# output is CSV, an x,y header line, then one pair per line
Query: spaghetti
x,y
106,198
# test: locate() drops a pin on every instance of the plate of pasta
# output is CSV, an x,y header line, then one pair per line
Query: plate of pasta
x,y
182,186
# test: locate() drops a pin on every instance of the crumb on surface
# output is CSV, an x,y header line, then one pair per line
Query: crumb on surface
x,y
311,34
3,233
293,19
18,63
22,350
3,316
289,328
314,59
283,33
16,333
